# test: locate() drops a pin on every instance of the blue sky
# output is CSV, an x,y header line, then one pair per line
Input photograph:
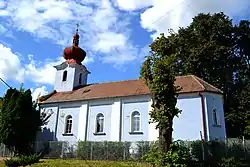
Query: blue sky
x,y
114,33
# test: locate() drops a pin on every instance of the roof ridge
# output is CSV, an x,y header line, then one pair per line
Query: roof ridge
x,y
197,80
179,76
209,84
116,81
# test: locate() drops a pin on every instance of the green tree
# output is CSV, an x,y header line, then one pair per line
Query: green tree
x,y
217,51
1,103
159,74
19,120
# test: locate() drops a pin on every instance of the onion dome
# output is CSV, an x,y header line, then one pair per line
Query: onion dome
x,y
74,53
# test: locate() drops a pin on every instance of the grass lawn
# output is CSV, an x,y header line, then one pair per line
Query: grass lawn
x,y
82,163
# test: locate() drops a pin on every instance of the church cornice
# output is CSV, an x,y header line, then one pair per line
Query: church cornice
x,y
64,65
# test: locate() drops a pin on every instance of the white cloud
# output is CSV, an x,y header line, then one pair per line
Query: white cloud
x,y
109,40
10,64
166,14
40,91
99,21
38,72
133,4
162,15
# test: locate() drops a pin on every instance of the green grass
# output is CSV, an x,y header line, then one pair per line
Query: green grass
x,y
83,163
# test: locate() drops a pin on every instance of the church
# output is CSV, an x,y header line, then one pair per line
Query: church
x,y
119,111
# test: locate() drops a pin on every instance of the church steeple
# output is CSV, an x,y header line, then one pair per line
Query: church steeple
x,y
71,74
74,53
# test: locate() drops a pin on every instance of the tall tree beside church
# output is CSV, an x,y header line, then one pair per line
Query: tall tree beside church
x,y
1,103
242,32
159,74
19,120
217,51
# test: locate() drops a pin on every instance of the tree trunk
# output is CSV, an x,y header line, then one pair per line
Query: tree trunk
x,y
165,137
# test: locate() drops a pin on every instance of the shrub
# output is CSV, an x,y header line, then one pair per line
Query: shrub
x,y
143,148
23,160
13,162
29,159
177,156
229,162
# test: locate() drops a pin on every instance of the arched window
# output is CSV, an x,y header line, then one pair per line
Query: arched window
x,y
64,75
99,123
215,117
80,78
135,121
68,124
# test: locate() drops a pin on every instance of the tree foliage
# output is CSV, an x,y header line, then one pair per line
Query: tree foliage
x,y
159,74
19,120
217,51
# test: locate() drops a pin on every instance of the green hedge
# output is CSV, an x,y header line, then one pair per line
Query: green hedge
x,y
216,150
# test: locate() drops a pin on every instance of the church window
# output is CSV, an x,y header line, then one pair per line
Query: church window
x,y
80,78
68,127
135,121
215,117
99,123
64,76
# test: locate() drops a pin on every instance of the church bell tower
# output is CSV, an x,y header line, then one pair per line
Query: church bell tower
x,y
71,74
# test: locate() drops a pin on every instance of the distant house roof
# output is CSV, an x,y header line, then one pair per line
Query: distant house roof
x,y
189,84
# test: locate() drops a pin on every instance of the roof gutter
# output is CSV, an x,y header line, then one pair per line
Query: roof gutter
x,y
203,113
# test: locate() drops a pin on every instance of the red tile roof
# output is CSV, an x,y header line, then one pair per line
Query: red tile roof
x,y
189,84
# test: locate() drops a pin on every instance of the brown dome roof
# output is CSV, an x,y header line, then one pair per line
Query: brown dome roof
x,y
74,52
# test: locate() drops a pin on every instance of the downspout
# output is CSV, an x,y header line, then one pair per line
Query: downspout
x,y
203,113
121,122
87,121
57,117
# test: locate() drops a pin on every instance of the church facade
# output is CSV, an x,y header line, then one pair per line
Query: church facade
x,y
119,111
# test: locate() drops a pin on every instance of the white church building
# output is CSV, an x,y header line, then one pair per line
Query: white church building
x,y
119,111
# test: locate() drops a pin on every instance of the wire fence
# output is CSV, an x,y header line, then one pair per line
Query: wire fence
x,y
88,150
123,151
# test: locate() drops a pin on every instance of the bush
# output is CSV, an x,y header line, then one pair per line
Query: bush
x,y
229,162
30,159
177,156
143,148
23,160
13,162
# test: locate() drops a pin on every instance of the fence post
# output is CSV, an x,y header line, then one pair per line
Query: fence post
x,y
202,147
107,153
124,151
49,148
91,150
62,149
244,147
36,147
142,150
76,149
4,150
